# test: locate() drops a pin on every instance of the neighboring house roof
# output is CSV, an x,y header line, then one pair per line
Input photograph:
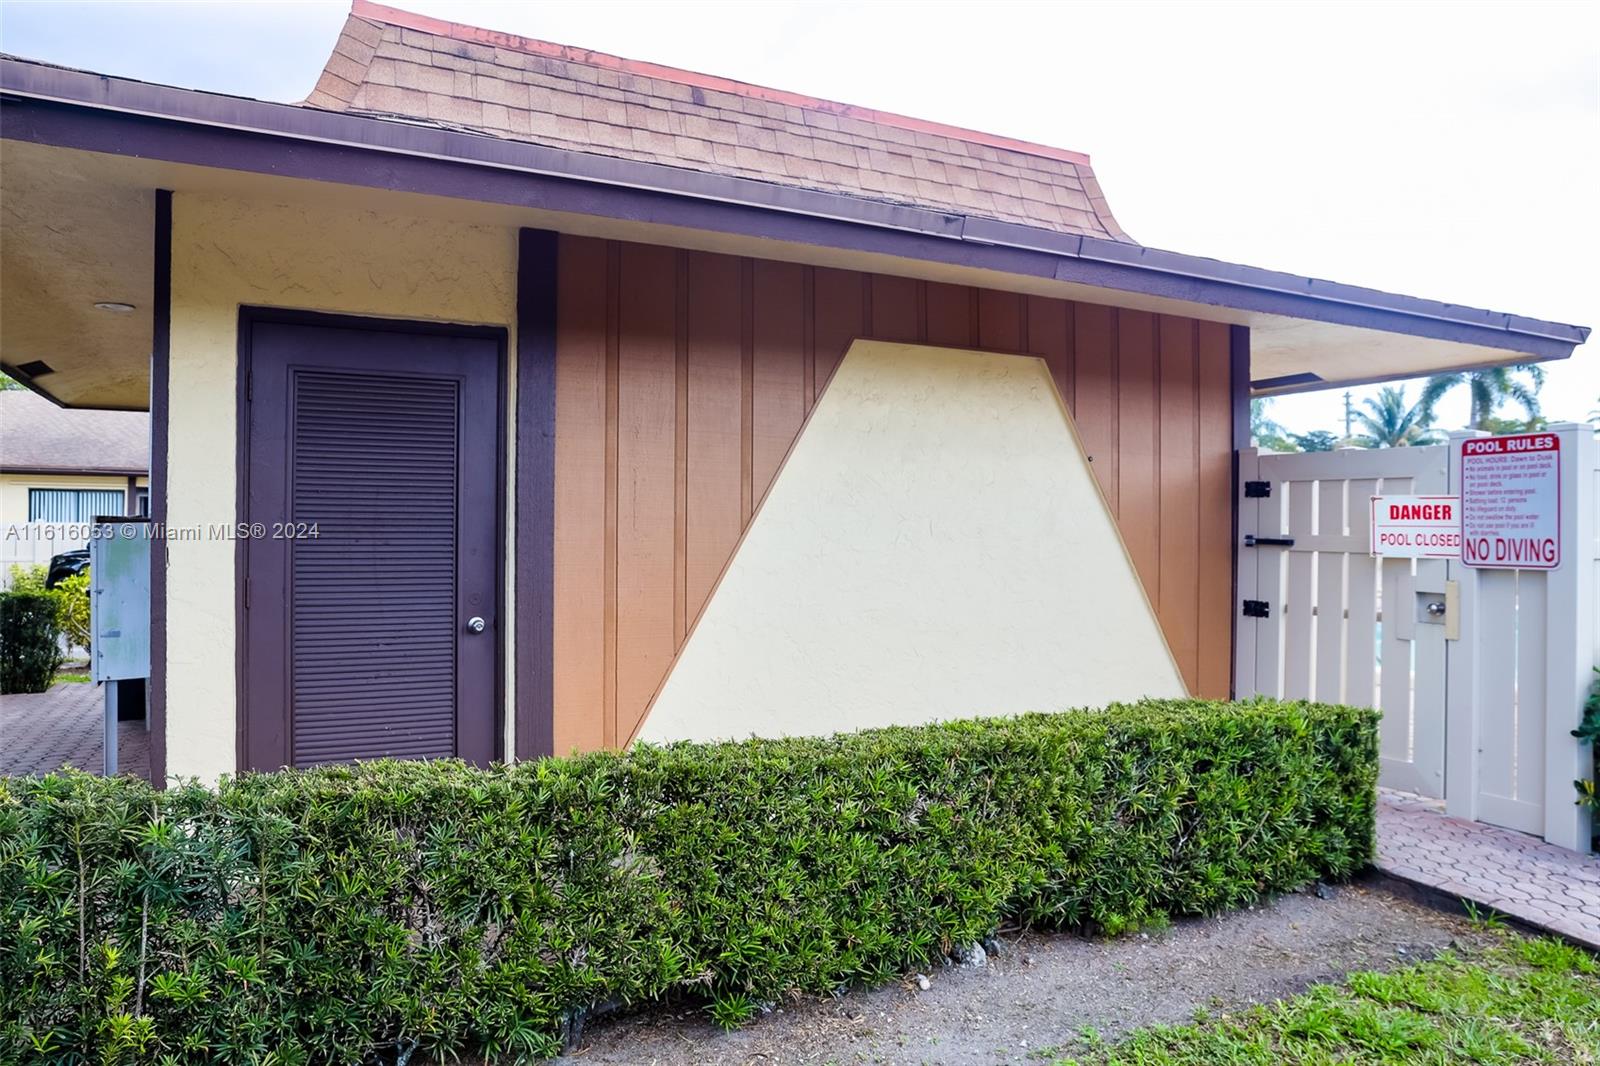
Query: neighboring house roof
x,y
36,436
395,63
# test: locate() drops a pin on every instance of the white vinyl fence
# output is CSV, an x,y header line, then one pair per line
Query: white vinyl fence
x,y
31,543
1480,674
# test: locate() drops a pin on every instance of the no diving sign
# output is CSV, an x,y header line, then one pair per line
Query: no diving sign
x,y
1511,502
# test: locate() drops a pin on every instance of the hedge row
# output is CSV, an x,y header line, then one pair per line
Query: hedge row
x,y
30,641
359,914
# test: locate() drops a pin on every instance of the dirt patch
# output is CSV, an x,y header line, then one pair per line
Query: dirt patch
x,y
1035,1000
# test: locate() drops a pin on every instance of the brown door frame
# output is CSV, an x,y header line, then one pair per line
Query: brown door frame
x,y
250,316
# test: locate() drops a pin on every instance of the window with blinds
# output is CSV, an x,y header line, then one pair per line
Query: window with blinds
x,y
74,505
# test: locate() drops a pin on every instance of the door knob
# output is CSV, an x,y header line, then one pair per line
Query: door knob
x,y
475,624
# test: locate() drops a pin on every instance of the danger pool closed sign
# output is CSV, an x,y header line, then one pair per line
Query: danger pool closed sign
x,y
1511,502
1416,527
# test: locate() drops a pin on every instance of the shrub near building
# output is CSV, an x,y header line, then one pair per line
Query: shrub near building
x,y
348,913
30,645
30,640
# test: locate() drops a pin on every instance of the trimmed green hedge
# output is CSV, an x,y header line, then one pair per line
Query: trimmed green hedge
x,y
30,641
343,915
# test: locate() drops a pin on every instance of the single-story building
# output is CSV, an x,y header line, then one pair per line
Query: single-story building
x,y
63,467
511,398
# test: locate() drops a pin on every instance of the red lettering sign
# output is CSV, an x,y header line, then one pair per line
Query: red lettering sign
x,y
1415,527
1511,502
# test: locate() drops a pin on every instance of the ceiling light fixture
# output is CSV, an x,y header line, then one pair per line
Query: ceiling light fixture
x,y
114,306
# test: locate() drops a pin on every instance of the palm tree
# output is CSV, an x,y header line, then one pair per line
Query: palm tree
x,y
1318,440
1264,432
1488,390
1390,422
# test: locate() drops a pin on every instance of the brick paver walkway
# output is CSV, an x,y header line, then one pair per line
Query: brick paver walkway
x,y
64,727
1519,875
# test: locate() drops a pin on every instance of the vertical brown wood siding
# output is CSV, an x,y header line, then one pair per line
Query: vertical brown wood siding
x,y
683,378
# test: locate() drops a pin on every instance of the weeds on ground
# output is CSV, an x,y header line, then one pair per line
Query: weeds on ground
x,y
1588,732
1482,918
1516,1000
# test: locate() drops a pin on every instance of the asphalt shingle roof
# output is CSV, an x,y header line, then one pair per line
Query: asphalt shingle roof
x,y
38,436
397,64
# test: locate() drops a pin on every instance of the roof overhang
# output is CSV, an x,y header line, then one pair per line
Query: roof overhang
x,y
1306,333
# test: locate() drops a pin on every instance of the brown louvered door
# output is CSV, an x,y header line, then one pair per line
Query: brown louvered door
x,y
372,472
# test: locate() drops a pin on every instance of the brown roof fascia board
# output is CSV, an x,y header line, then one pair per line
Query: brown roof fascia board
x,y
53,105
75,471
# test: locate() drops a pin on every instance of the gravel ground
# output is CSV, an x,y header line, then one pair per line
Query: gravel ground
x,y
1032,1003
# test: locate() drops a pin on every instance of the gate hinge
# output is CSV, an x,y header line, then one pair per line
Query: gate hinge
x,y
1255,609
1257,490
1253,541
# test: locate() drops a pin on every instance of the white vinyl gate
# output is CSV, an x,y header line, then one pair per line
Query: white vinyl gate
x,y
1340,625
1480,674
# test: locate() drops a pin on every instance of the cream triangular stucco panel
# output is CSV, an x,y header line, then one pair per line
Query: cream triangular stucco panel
x,y
934,547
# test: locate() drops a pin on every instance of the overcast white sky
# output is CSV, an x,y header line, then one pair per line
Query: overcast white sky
x,y
1446,150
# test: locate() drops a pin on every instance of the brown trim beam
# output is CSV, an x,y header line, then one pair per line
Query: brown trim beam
x,y
160,406
74,471
1239,385
1239,360
534,504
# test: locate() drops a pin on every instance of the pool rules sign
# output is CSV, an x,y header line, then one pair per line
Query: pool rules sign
x,y
1511,502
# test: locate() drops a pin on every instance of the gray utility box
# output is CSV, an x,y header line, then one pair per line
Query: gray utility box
x,y
119,599
119,613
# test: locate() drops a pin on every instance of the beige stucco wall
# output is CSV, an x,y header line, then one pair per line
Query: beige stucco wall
x,y
935,547
230,252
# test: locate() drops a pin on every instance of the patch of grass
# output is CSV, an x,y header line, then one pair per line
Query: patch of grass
x,y
1515,1000
1482,918
75,678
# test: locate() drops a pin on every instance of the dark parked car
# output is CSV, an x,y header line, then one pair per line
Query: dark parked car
x,y
66,565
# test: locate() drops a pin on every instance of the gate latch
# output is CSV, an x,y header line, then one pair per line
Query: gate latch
x,y
1452,610
1253,541
1444,609
1257,490
1256,609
